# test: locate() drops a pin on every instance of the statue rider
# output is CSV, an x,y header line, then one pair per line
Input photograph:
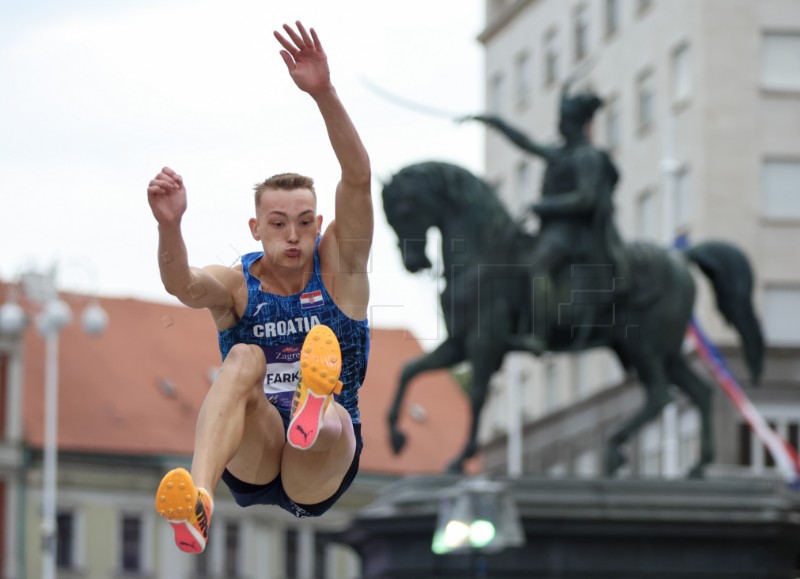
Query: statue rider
x,y
575,210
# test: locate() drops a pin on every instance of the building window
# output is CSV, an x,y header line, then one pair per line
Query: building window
x,y
316,551
612,16
769,460
613,118
647,216
320,557
66,540
645,101
523,79
232,550
782,315
524,185
227,555
550,57
793,435
132,543
780,61
754,454
204,562
779,197
581,32
291,550
496,90
682,206
681,74
745,447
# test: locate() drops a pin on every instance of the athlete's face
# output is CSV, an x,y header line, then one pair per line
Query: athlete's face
x,y
287,225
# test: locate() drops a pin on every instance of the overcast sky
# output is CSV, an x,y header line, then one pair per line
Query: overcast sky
x,y
98,96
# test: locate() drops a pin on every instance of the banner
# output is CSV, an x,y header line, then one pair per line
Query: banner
x,y
784,455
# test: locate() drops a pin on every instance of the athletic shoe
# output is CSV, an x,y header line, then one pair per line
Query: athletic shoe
x,y
187,508
320,366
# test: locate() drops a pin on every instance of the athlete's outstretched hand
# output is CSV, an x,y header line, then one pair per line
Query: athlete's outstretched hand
x,y
167,196
305,59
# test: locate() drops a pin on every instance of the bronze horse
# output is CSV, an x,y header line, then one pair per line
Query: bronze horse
x,y
488,300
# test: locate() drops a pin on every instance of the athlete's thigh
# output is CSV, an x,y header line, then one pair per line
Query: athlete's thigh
x,y
258,458
309,476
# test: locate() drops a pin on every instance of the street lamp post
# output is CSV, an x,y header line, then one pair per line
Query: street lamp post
x,y
669,170
53,318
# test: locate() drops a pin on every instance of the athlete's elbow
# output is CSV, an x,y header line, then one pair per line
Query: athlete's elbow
x,y
176,292
359,178
178,289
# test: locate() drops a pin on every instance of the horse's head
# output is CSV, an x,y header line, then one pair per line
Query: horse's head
x,y
409,208
464,208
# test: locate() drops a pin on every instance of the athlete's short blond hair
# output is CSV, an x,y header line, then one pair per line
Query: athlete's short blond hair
x,y
286,182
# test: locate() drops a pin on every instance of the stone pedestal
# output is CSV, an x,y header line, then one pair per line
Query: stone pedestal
x,y
592,529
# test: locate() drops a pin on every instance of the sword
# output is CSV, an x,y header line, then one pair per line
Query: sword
x,y
409,104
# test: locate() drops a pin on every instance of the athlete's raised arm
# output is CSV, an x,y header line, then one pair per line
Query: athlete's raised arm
x,y
196,288
353,228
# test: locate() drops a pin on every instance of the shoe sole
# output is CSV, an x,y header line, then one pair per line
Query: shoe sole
x,y
176,499
320,366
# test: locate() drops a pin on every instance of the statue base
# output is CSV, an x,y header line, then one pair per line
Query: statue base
x,y
593,529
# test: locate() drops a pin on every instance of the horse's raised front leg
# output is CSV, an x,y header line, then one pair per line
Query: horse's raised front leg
x,y
446,355
652,375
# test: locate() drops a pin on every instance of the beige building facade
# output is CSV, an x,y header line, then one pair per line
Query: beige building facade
x,y
702,118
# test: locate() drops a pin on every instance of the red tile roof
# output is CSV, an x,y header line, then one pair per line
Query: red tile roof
x,y
137,388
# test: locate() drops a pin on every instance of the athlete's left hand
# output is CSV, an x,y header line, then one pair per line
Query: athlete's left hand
x,y
305,59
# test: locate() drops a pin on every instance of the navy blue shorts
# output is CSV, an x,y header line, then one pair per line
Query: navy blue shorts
x,y
273,493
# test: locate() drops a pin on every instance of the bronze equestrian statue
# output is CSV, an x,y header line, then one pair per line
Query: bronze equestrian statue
x,y
576,212
495,271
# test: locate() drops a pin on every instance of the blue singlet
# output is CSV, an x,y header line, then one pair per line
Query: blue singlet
x,y
279,324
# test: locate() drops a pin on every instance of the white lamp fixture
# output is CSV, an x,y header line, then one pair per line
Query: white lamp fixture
x,y
477,514
94,319
12,318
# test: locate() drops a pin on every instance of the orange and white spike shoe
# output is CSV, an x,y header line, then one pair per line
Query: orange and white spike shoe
x,y
320,366
187,508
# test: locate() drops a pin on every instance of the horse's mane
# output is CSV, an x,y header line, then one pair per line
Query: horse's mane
x,y
463,192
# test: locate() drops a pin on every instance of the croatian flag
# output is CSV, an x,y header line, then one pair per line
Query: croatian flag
x,y
311,299
785,456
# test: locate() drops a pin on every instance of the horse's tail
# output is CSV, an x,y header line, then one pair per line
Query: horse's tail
x,y
731,276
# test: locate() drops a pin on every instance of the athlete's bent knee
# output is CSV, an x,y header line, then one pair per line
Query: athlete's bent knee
x,y
247,362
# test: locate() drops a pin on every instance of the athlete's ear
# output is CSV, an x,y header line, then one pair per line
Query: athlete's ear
x,y
319,223
254,228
